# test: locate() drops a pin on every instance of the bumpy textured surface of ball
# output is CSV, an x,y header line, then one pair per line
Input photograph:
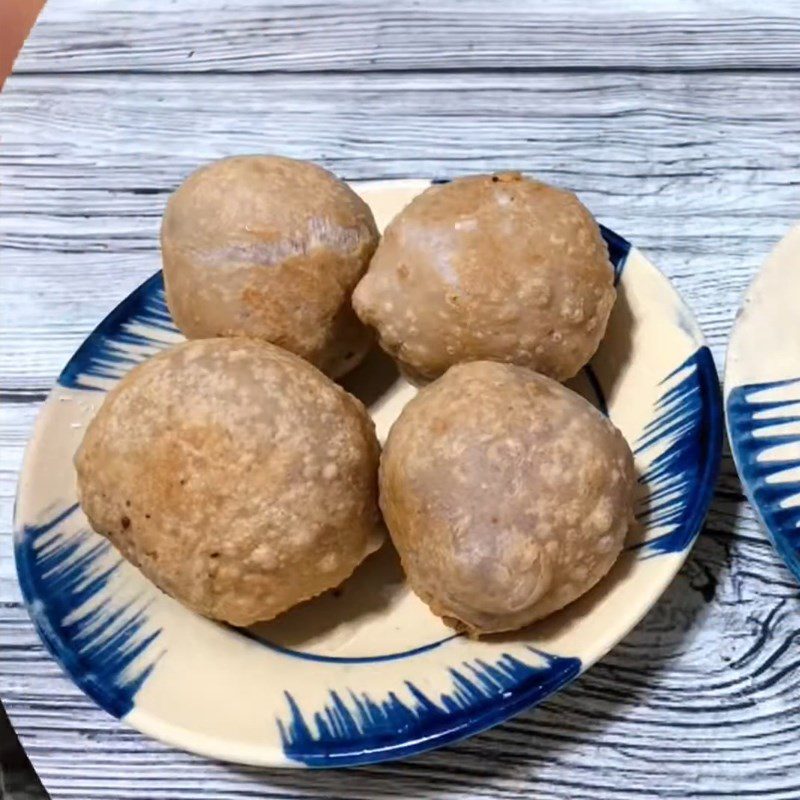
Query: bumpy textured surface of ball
x,y
272,248
496,267
506,494
235,475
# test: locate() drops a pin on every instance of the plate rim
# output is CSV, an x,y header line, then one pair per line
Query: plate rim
x,y
461,725
789,554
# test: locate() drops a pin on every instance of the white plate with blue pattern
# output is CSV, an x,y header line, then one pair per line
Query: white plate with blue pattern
x,y
762,396
365,673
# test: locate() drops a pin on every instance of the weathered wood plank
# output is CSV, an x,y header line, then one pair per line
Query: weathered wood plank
x,y
304,35
138,134
16,421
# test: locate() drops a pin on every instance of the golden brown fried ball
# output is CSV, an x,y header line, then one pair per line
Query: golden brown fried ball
x,y
497,267
235,475
272,248
506,494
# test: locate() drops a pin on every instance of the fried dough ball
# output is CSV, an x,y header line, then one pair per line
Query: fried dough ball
x,y
271,248
235,475
497,267
506,494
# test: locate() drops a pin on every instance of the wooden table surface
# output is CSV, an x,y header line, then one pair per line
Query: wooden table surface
x,y
678,123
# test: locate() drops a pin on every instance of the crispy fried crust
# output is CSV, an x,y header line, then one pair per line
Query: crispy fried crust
x,y
495,267
272,248
506,494
235,475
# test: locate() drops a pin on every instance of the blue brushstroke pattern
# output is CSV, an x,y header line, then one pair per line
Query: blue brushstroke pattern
x,y
304,655
107,648
359,729
688,416
759,474
114,347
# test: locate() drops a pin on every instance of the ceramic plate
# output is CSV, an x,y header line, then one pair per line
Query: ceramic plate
x,y
762,396
365,673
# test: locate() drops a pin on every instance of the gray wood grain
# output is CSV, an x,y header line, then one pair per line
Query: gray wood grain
x,y
302,35
675,121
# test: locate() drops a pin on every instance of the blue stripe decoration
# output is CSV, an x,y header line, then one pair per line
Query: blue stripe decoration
x,y
748,421
359,729
687,428
304,655
129,335
105,647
